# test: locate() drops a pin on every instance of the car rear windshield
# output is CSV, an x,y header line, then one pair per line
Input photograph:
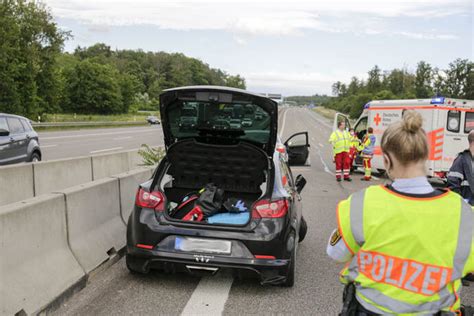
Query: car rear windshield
x,y
194,119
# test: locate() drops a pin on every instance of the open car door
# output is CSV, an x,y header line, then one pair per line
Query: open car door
x,y
297,147
341,118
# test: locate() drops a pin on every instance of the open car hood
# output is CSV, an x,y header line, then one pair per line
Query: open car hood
x,y
204,113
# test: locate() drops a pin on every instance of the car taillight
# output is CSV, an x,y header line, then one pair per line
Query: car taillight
x,y
270,209
280,149
154,200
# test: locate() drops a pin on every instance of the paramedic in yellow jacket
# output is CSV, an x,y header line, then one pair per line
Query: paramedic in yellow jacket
x,y
353,148
407,245
340,140
367,152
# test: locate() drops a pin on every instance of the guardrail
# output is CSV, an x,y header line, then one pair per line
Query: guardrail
x,y
23,181
72,124
49,244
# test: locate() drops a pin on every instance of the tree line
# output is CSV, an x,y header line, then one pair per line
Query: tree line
x,y
457,81
316,99
37,76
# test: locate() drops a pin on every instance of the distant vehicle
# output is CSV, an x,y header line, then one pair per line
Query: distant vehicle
x,y
18,140
152,120
258,116
246,122
235,123
168,230
446,122
221,124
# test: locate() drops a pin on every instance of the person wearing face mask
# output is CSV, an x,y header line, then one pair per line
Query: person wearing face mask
x,y
407,245
354,145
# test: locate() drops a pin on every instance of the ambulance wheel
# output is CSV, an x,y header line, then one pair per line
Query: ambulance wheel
x,y
303,229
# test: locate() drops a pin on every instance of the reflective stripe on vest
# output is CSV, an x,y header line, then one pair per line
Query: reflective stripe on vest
x,y
380,267
341,141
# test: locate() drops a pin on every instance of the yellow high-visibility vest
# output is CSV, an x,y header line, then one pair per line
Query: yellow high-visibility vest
x,y
409,253
340,140
355,142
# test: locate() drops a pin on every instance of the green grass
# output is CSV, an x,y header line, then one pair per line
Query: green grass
x,y
327,113
130,117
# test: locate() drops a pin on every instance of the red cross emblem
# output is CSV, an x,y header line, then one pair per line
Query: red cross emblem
x,y
377,119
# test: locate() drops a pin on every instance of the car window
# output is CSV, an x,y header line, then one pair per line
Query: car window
x,y
26,125
190,119
3,124
453,122
469,122
15,125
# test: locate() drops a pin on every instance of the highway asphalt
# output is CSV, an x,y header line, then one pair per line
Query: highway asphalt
x,y
317,291
84,142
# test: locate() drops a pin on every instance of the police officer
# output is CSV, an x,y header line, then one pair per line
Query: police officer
x,y
340,140
407,245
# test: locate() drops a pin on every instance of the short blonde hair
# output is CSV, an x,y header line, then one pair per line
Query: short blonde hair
x,y
406,140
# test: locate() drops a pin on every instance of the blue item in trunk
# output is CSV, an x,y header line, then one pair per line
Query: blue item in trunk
x,y
229,218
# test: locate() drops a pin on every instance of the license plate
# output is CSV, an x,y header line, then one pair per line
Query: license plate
x,y
203,245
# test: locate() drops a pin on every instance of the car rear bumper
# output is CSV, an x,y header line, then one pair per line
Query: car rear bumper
x,y
269,271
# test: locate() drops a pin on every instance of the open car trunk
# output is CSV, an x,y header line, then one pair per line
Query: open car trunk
x,y
240,170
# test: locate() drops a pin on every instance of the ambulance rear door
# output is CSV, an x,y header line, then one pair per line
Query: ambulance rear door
x,y
379,118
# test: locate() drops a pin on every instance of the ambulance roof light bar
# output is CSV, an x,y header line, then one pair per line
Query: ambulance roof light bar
x,y
437,100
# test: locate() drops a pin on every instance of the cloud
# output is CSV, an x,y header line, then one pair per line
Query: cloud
x,y
292,83
264,17
427,36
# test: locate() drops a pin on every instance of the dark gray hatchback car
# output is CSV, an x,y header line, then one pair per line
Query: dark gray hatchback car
x,y
18,140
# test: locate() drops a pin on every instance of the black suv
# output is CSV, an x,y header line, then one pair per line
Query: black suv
x,y
260,224
18,141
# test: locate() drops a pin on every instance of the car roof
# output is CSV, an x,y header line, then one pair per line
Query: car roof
x,y
13,115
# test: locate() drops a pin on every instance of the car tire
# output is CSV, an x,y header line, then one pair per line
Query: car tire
x,y
132,265
303,229
290,274
35,157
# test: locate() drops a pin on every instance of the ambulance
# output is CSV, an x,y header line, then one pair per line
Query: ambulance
x,y
446,122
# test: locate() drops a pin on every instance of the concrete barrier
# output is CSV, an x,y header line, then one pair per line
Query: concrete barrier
x,y
56,175
109,164
36,263
128,183
16,183
134,159
95,229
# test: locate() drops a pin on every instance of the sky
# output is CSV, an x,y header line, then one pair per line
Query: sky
x,y
287,47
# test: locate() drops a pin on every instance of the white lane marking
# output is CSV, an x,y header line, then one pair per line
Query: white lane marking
x,y
321,145
210,296
48,146
103,150
122,138
315,117
100,134
283,124
326,168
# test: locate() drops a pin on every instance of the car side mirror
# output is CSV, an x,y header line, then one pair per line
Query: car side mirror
x,y
4,132
300,182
